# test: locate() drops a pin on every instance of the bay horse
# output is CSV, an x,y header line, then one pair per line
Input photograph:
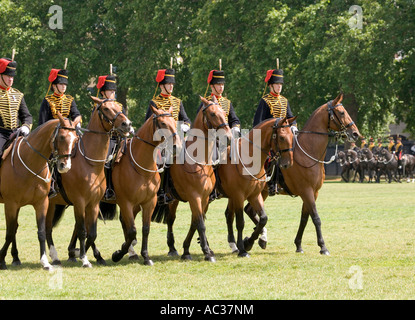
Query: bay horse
x,y
136,178
194,180
306,176
238,183
84,187
389,164
369,162
25,178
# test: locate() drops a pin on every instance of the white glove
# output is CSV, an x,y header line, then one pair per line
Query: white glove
x,y
78,125
294,130
184,127
236,132
24,130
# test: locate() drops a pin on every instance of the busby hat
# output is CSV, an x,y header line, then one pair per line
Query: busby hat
x,y
274,76
216,76
107,83
58,76
8,67
165,76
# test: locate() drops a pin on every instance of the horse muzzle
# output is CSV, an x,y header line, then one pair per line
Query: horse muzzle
x,y
64,165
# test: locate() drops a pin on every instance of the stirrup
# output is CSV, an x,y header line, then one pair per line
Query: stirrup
x,y
272,190
109,195
163,199
52,193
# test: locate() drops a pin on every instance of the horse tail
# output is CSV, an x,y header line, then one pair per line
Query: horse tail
x,y
160,213
108,210
59,210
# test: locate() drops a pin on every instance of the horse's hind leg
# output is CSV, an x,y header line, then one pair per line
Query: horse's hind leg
x,y
148,209
171,217
15,254
91,223
300,232
11,229
129,230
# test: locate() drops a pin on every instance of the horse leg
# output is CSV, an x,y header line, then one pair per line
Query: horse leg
x,y
230,215
186,243
11,212
73,253
258,205
130,232
41,210
240,224
170,235
49,239
81,234
148,209
15,254
300,232
91,223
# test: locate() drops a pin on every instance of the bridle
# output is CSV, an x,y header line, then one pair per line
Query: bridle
x,y
156,126
206,119
102,115
51,161
333,116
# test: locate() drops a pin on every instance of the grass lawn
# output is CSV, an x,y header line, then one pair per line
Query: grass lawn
x,y
368,229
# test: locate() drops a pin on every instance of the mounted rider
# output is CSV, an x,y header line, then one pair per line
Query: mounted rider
x,y
399,153
14,114
165,100
107,88
274,105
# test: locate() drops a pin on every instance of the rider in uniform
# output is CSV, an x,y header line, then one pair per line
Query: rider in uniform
x,y
363,143
399,153
166,80
274,105
391,145
58,102
107,87
13,108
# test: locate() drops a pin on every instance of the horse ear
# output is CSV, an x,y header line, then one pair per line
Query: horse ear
x,y
291,120
154,109
60,117
214,100
96,99
203,100
77,120
338,99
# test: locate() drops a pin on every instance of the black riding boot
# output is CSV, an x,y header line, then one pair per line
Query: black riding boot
x,y
109,192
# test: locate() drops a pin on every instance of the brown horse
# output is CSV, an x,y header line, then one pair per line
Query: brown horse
x,y
306,176
85,185
25,178
194,179
238,183
136,178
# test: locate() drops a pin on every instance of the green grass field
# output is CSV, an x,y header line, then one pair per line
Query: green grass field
x,y
368,228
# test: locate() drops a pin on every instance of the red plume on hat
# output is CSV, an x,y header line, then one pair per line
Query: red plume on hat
x,y
160,75
210,76
53,74
3,65
269,74
101,81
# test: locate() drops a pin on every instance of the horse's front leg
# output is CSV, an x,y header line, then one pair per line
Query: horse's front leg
x,y
41,210
148,209
230,216
258,206
171,217
81,235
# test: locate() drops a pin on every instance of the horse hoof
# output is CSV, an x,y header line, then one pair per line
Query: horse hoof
x,y
3,266
117,256
247,244
262,244
72,259
210,259
299,251
16,263
101,262
148,263
173,253
243,255
186,257
325,252
48,268
87,265
56,263
134,257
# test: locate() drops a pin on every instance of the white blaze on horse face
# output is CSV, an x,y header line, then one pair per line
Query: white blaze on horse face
x,y
68,164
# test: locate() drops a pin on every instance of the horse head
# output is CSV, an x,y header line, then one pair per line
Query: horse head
x,y
62,142
341,158
214,118
111,116
165,127
282,141
340,120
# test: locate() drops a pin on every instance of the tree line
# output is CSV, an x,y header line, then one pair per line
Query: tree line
x,y
364,49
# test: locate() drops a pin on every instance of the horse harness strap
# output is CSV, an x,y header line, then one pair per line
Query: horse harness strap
x,y
207,121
